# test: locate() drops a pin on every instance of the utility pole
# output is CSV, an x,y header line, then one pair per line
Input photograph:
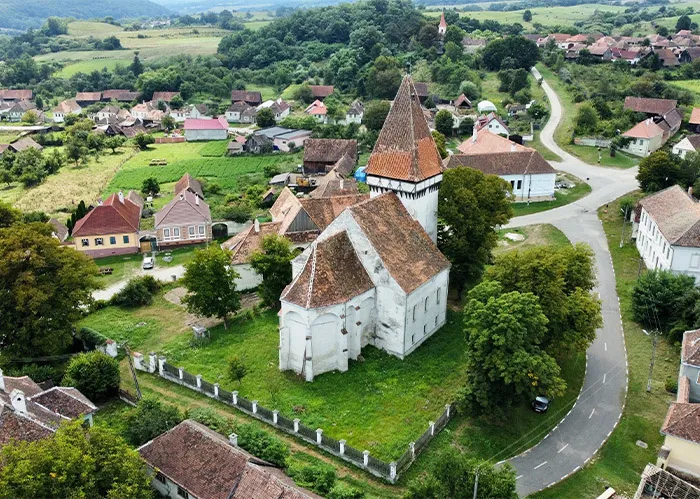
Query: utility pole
x,y
622,235
476,482
654,341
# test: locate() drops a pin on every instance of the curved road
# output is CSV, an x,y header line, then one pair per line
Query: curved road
x,y
583,430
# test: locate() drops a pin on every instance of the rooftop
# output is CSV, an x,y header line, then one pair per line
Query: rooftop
x,y
676,214
483,142
650,106
329,150
690,350
646,129
526,161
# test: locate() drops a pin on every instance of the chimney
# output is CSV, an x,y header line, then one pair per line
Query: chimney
x,y
513,148
196,199
474,132
182,196
256,225
233,439
690,193
99,202
342,181
121,197
2,381
18,401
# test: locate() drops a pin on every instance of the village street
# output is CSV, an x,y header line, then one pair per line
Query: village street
x,y
599,407
163,274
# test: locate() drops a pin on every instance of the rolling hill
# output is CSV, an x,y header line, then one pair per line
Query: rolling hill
x,y
23,14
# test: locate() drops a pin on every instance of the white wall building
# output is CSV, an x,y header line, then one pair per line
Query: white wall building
x,y
668,237
646,137
374,275
687,145
206,129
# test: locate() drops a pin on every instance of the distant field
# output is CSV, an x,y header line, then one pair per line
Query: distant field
x,y
547,16
256,25
692,85
157,43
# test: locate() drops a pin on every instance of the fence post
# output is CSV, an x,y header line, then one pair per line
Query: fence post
x,y
138,359
152,362
235,398
180,373
233,439
431,424
412,448
342,447
319,432
161,366
296,425
255,406
275,413
447,410
392,471
365,457
216,389
199,381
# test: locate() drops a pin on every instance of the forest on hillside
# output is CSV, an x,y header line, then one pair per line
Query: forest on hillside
x,y
23,14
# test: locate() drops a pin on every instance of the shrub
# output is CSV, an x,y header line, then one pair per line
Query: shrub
x,y
318,477
237,369
239,212
91,338
263,445
344,492
95,374
138,291
38,372
271,170
208,417
671,385
150,419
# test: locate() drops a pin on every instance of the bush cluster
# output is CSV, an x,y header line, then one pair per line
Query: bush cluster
x,y
138,292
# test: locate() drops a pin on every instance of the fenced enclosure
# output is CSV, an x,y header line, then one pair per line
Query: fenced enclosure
x,y
339,448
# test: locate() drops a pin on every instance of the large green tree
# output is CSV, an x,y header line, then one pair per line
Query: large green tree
x,y
210,280
562,279
43,288
274,264
661,298
444,122
506,362
471,206
452,475
95,374
75,462
265,117
523,52
375,114
657,171
150,419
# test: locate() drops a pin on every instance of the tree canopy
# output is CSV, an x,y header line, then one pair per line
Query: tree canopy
x,y
523,52
94,374
273,262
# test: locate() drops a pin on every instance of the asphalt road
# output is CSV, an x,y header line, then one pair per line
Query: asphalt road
x,y
598,409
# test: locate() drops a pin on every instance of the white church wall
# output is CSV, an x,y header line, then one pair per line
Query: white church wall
x,y
293,330
325,342
426,310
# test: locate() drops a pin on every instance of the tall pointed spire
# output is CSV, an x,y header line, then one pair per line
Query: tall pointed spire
x,y
405,149
442,27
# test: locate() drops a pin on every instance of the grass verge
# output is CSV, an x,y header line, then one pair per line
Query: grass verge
x,y
562,197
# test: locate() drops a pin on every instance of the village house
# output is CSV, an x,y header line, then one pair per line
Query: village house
x,y
29,413
64,109
191,461
689,144
111,227
355,113
694,120
493,123
320,155
199,112
140,111
19,108
189,183
646,137
249,97
60,231
184,220
280,109
680,453
25,143
318,110
119,95
16,95
320,92
236,113
236,146
259,143
461,103
663,121
374,275
110,113
294,138
280,138
668,236
530,176
164,96
206,129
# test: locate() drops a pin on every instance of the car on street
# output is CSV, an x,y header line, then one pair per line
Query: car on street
x,y
540,404
148,263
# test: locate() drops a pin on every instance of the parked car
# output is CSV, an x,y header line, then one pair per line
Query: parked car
x,y
148,262
540,404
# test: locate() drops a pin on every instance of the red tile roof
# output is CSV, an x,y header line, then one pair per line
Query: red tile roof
x,y
683,421
219,123
206,465
650,106
65,401
676,214
111,217
329,150
22,94
503,163
332,274
245,243
189,183
695,116
443,23
316,108
405,149
164,96
488,142
322,211
321,91
250,97
88,96
690,351
646,129
185,208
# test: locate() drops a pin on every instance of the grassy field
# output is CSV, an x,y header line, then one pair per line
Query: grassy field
x,y
534,235
590,156
153,44
620,462
489,91
547,16
563,197
538,146
692,85
63,191
391,400
125,266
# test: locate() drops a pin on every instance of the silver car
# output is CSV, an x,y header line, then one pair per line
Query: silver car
x,y
148,262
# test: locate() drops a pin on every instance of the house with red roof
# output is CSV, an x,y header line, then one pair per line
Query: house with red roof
x,y
318,110
206,129
186,219
645,138
493,123
111,227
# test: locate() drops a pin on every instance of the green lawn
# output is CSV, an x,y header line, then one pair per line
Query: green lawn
x,y
620,462
538,146
125,266
563,196
90,65
590,156
535,235
692,85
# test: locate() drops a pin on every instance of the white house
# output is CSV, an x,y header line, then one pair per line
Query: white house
x,y
280,109
355,113
374,275
240,112
688,144
493,123
200,112
318,110
206,129
646,137
65,108
283,141
668,237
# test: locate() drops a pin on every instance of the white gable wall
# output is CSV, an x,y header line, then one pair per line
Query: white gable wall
x,y
683,148
535,187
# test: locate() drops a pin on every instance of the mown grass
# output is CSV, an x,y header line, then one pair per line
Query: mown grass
x,y
90,65
692,85
562,197
620,462
534,235
590,155
544,151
